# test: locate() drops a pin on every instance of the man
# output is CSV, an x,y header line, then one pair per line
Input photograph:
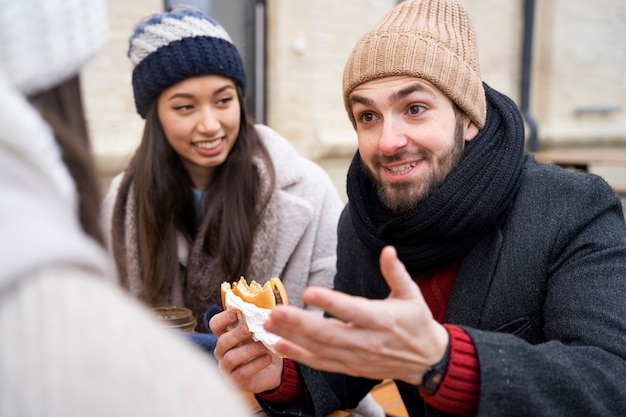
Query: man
x,y
520,267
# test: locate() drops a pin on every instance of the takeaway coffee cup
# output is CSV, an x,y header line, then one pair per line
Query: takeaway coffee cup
x,y
178,318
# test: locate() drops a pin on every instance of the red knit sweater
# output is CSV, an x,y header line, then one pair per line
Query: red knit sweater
x,y
460,387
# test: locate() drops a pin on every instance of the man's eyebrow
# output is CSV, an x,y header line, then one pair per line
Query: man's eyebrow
x,y
396,96
360,99
417,87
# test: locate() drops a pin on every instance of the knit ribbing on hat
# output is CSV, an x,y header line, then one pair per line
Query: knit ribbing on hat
x,y
171,47
429,39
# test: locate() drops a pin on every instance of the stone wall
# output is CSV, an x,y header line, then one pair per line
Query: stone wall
x,y
578,91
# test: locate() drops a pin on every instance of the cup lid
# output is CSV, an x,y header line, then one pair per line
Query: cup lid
x,y
175,316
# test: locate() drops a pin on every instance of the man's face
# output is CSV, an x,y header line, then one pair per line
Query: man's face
x,y
410,137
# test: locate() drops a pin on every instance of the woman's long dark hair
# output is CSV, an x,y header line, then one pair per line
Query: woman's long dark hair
x,y
165,204
62,108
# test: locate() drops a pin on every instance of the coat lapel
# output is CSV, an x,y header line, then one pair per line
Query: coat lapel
x,y
473,282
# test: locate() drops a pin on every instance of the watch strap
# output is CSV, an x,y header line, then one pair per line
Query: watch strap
x,y
433,376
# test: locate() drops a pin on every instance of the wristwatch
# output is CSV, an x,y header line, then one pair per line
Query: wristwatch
x,y
433,376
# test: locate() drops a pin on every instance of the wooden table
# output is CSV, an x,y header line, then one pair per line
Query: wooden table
x,y
257,411
578,161
385,393
583,163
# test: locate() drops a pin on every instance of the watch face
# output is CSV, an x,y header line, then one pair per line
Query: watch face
x,y
435,380
431,381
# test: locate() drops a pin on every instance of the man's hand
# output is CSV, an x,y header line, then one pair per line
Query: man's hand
x,y
248,364
395,338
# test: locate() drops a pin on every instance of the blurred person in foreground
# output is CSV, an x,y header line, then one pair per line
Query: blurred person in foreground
x,y
72,344
482,282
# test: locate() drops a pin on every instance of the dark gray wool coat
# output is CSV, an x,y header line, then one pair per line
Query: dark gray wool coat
x,y
543,298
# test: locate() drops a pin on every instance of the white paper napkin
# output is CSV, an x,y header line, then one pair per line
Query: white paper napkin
x,y
254,317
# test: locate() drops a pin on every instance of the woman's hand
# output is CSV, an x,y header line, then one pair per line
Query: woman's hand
x,y
395,338
248,364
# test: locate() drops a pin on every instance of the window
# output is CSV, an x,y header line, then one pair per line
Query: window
x,y
244,20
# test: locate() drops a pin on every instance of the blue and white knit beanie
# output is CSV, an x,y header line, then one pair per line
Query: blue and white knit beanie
x,y
170,47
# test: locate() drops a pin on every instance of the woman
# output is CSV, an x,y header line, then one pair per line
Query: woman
x,y
209,196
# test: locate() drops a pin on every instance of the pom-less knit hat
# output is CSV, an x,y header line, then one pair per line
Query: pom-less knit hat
x,y
429,39
182,43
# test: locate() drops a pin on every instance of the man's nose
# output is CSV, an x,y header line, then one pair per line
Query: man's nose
x,y
392,136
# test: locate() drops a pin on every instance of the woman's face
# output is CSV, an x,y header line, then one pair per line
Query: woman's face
x,y
200,117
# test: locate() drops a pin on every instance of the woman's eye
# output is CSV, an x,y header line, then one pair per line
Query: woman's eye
x,y
183,107
416,109
225,100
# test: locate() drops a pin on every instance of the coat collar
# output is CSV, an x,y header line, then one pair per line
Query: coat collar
x,y
299,213
289,205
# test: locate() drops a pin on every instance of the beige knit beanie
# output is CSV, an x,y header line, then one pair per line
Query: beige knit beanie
x,y
429,39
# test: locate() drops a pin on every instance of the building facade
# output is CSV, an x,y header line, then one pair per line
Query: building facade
x,y
573,68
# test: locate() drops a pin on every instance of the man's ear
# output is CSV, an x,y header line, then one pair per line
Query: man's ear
x,y
471,130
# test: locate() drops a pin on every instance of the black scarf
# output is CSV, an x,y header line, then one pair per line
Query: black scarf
x,y
467,205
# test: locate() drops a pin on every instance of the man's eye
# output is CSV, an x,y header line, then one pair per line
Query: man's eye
x,y
367,117
416,109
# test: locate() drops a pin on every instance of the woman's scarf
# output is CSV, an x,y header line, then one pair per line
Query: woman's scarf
x,y
466,206
204,276
198,284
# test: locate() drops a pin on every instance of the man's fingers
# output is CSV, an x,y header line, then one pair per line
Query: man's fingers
x,y
346,308
393,270
311,359
311,331
291,322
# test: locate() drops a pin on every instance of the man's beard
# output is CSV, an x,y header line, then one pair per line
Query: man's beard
x,y
400,197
